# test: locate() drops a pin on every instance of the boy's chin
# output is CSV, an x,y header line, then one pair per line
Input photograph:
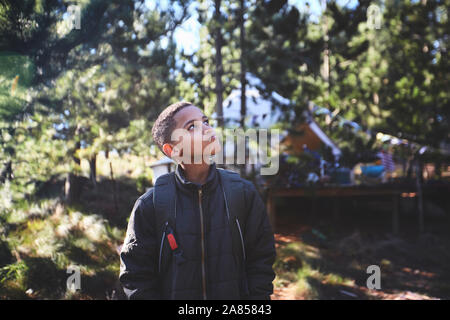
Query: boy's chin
x,y
215,151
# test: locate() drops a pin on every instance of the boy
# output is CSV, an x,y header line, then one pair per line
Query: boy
x,y
187,248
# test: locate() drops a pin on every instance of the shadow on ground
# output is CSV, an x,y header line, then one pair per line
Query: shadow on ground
x,y
337,252
111,199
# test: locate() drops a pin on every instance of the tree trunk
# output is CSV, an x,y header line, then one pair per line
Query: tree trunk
x,y
116,207
437,169
74,155
242,76
93,169
74,184
73,188
242,62
114,185
326,52
420,202
6,173
218,62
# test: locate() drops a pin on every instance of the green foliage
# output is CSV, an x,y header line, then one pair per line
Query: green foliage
x,y
48,243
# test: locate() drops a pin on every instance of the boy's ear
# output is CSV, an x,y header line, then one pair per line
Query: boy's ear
x,y
167,148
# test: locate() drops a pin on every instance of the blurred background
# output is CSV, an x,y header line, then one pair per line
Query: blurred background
x,y
358,89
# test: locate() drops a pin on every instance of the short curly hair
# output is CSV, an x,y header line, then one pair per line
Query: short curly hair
x,y
165,123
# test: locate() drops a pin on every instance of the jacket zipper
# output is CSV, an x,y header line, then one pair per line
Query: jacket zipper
x,y
202,243
161,246
242,239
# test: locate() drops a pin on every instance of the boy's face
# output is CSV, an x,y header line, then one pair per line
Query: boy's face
x,y
193,137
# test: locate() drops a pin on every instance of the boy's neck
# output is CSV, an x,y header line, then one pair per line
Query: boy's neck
x,y
197,173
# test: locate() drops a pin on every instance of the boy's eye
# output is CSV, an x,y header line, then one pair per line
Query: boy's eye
x,y
192,126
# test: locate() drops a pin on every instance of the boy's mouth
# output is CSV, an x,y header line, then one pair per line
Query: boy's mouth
x,y
210,138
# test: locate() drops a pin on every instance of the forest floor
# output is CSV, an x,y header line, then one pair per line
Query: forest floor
x,y
322,258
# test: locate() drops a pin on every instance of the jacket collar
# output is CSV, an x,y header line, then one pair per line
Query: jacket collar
x,y
185,184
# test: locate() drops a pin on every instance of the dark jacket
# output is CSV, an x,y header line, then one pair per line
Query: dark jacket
x,y
185,275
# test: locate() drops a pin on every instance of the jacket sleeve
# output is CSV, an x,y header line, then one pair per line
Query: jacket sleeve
x,y
138,256
260,246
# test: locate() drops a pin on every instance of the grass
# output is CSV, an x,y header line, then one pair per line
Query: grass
x,y
42,239
298,269
41,236
413,266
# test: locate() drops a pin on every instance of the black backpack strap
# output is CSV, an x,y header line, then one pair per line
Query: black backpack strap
x,y
164,194
233,189
164,201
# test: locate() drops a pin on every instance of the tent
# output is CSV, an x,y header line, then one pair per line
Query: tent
x,y
261,112
309,134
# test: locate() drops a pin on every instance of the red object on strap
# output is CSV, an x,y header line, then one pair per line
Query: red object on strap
x,y
172,242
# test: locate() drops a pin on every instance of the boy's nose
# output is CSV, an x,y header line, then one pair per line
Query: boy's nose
x,y
208,131
206,128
